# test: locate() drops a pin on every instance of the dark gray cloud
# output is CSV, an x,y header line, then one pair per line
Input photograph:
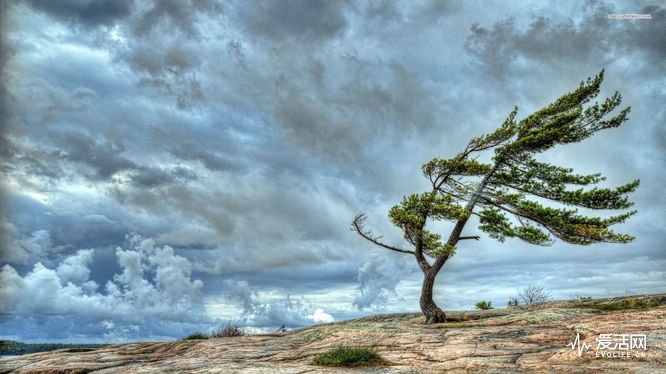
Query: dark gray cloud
x,y
385,10
434,9
38,232
175,58
593,39
166,65
103,157
85,12
654,44
173,14
5,102
373,100
309,21
148,177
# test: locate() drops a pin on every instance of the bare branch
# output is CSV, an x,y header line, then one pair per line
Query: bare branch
x,y
534,295
475,237
358,225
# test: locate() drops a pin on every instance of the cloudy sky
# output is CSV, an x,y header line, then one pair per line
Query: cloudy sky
x,y
172,165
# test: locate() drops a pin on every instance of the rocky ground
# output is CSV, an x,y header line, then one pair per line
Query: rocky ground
x,y
495,341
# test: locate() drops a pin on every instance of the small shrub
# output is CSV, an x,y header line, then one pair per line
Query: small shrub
x,y
196,336
483,305
579,298
513,303
229,330
349,356
533,295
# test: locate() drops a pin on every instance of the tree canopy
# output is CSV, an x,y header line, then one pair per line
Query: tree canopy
x,y
515,195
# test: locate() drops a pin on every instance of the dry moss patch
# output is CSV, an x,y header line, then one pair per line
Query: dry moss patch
x,y
619,304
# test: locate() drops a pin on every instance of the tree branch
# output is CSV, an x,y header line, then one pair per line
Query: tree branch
x,y
519,215
358,226
475,237
420,258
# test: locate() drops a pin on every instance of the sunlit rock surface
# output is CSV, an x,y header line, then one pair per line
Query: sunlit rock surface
x,y
495,341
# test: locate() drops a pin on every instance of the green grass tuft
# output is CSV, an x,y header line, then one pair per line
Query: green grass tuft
x,y
349,356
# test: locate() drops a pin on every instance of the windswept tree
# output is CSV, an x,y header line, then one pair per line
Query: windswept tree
x,y
514,195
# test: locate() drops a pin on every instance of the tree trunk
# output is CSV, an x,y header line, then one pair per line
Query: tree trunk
x,y
430,310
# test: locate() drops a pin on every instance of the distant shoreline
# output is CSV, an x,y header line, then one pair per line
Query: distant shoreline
x,y
13,348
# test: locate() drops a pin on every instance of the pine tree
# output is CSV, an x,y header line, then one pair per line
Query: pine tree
x,y
515,195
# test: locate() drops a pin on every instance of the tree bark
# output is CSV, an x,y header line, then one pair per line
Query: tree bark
x,y
432,313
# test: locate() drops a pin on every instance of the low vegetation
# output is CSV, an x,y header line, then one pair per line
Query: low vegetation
x,y
228,331
533,295
529,296
196,336
349,356
483,305
617,304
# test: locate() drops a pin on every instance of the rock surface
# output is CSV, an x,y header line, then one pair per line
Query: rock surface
x,y
495,341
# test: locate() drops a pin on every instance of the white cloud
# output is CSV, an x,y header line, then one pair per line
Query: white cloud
x,y
153,292
378,279
152,296
273,309
320,316
75,268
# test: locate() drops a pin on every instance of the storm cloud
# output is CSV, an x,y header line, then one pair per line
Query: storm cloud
x,y
87,12
590,38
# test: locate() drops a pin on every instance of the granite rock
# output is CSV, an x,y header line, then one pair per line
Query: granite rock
x,y
525,339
